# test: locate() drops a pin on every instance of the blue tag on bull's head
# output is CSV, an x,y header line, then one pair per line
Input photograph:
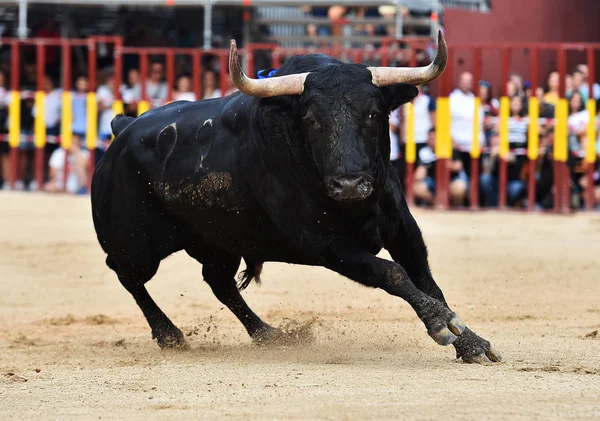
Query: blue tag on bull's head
x,y
265,73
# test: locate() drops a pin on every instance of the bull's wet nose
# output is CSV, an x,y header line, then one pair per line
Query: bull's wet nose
x,y
349,188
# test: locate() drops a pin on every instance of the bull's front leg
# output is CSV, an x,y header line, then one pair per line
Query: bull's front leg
x,y
404,241
356,263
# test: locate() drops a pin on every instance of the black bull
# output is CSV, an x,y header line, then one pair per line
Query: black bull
x,y
302,178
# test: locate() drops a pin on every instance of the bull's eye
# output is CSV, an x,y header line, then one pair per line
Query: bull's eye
x,y
311,121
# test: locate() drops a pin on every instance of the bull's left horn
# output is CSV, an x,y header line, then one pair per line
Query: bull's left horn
x,y
384,76
263,88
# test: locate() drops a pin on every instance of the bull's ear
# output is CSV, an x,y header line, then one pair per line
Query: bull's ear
x,y
396,95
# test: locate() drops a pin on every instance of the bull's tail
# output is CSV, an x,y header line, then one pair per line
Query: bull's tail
x,y
251,272
120,123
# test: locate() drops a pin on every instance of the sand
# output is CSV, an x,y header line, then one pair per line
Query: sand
x,y
74,345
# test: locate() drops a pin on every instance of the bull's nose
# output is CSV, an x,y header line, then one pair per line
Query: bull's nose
x,y
349,187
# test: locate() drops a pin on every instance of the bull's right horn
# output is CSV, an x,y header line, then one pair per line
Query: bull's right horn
x,y
263,88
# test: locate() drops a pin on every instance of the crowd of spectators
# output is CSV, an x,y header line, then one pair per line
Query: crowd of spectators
x,y
462,100
461,108
131,95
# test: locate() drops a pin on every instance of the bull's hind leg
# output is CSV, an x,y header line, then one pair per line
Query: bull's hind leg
x,y
133,277
403,239
218,270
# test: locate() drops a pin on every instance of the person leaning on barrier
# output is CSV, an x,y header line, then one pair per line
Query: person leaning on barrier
x,y
424,180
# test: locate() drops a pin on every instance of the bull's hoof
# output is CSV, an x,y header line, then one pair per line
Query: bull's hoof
x,y
475,350
170,339
445,328
266,335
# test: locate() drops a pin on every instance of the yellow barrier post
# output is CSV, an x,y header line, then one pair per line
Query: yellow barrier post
x,y
411,146
92,122
66,132
14,120
503,150
590,156
14,134
411,150
39,131
475,146
443,150
443,141
533,134
503,132
143,106
561,134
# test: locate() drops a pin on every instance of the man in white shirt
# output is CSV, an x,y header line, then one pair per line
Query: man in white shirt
x,y
462,110
52,108
424,112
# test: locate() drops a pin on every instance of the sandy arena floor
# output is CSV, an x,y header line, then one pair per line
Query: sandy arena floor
x,y
74,345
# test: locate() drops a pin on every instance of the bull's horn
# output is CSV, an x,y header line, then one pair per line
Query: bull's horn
x,y
263,88
384,76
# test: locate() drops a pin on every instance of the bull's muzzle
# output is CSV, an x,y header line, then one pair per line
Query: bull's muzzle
x,y
349,188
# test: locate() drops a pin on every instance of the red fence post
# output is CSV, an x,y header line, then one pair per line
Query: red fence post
x,y
170,74
223,56
197,75
590,158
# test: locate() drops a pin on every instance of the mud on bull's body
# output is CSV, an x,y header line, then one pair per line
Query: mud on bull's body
x,y
294,168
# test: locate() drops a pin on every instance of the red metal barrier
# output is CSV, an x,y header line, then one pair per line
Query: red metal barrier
x,y
40,137
388,53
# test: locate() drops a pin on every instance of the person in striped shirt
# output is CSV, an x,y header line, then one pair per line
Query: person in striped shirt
x,y
517,157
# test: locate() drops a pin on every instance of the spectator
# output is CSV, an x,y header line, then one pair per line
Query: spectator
x,y
577,122
184,90
52,116
528,90
544,190
517,82
424,181
517,138
319,12
77,170
568,86
105,97
131,93
462,105
79,107
424,112
4,150
210,85
156,89
585,87
490,107
546,109
552,94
